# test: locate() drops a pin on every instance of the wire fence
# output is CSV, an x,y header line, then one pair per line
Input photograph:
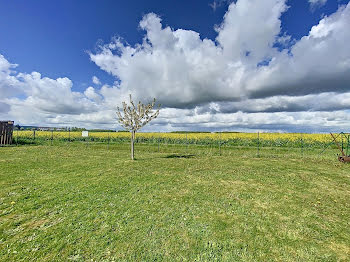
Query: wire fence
x,y
218,144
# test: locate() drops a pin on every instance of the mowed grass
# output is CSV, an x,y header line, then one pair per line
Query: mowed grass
x,y
86,203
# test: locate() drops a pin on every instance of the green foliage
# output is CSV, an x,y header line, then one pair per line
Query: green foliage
x,y
73,129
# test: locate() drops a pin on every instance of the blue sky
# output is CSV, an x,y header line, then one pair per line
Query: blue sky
x,y
52,37
66,39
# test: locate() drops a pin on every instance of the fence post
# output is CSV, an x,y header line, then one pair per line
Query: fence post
x,y
51,137
17,138
34,135
186,142
258,144
302,144
108,142
69,134
220,143
158,141
342,142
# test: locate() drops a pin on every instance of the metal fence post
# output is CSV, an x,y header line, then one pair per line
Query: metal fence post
x,y
68,134
258,145
220,143
34,135
186,143
158,141
302,144
51,137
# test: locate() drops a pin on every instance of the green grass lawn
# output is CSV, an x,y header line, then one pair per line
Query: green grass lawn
x,y
86,203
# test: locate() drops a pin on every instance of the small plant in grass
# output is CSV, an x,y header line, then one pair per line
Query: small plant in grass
x,y
134,117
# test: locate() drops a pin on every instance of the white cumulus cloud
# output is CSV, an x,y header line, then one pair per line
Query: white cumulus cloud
x,y
239,81
95,80
317,3
183,70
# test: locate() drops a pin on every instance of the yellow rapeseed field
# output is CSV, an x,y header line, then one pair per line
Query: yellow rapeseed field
x,y
293,137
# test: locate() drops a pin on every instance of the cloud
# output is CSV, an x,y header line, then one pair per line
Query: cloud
x,y
218,3
183,70
4,108
8,83
319,62
319,102
239,81
53,95
33,99
95,80
91,93
316,3
249,30
263,121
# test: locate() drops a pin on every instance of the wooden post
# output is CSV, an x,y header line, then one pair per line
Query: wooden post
x,y
10,131
348,144
51,137
34,135
6,131
2,130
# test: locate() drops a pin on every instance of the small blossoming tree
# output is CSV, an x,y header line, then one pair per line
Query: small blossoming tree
x,y
134,117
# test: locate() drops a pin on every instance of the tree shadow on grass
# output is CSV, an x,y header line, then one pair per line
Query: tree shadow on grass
x,y
179,156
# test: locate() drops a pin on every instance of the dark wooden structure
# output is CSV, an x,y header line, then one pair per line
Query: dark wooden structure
x,y
6,131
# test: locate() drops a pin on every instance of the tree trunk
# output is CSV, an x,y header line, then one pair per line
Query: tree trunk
x,y
132,144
